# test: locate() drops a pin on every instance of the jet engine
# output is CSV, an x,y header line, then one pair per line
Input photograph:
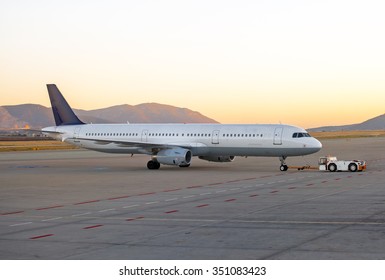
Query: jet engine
x,y
218,158
174,156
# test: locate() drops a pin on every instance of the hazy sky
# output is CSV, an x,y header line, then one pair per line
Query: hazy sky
x,y
307,63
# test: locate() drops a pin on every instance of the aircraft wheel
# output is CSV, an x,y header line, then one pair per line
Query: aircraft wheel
x,y
153,164
283,168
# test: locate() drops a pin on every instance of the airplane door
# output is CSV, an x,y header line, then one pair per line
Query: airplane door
x,y
144,135
76,132
215,137
277,140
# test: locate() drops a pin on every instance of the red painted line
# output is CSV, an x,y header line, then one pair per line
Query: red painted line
x,y
214,184
253,195
274,191
40,236
193,187
172,190
146,193
95,226
266,176
172,211
12,213
323,182
202,205
86,202
49,207
231,199
233,181
337,179
118,197
308,185
134,219
249,179
292,188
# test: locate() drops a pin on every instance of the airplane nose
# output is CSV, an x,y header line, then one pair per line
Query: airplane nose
x,y
317,145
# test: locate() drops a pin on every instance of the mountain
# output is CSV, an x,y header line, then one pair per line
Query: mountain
x,y
376,123
38,116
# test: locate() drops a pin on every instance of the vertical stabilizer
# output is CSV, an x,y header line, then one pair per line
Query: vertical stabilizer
x,y
62,112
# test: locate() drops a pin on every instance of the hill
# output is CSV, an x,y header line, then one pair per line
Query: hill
x,y
376,123
38,116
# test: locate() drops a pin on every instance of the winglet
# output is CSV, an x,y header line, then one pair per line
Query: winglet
x,y
62,112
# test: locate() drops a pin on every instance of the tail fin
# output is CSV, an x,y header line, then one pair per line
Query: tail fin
x,y
62,112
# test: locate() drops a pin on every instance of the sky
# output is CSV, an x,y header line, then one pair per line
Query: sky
x,y
306,63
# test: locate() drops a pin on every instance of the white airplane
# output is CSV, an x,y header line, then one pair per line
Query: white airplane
x,y
176,144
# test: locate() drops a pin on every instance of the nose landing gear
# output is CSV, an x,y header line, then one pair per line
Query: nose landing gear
x,y
283,166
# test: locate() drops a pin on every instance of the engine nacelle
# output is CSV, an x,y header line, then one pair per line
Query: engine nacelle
x,y
175,156
219,158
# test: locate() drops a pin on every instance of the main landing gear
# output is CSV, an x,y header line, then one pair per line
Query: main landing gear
x,y
153,164
283,166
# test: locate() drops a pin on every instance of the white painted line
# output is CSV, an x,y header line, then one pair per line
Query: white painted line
x,y
270,183
221,191
52,219
234,189
291,179
152,202
21,224
205,193
129,206
189,196
247,187
171,199
107,210
81,214
282,181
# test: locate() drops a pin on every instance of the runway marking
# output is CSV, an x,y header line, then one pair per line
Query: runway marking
x,y
189,196
215,184
49,207
220,191
234,189
81,214
337,179
205,193
86,202
94,226
40,236
308,185
292,188
202,205
172,199
130,206
172,190
193,187
172,211
119,197
270,183
230,200
134,219
52,219
282,181
323,182
152,202
274,191
21,224
107,210
142,194
253,195
12,213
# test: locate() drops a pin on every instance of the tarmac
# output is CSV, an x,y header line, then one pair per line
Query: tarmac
x,y
80,204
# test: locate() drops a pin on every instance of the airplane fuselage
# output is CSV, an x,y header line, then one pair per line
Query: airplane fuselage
x,y
201,139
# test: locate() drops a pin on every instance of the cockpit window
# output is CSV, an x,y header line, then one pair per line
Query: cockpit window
x,y
300,134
